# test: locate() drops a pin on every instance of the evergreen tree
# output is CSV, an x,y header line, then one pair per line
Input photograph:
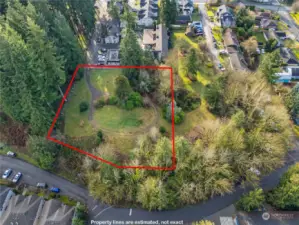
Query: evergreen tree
x,y
191,65
131,55
3,6
123,88
168,12
270,65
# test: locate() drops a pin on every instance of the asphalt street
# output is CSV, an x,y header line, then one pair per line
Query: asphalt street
x,y
33,175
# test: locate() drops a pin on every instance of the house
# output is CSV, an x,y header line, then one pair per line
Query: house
x,y
225,16
183,19
281,35
34,210
156,40
232,46
147,12
271,34
185,7
288,74
268,24
288,57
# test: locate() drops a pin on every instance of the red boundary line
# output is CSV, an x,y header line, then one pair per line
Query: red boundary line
x,y
172,167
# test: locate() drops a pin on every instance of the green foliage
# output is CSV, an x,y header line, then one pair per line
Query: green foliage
x,y
131,55
270,65
113,100
113,10
100,137
214,96
136,99
162,130
270,45
251,201
192,63
43,151
168,12
78,221
83,106
292,101
99,104
186,100
123,88
178,113
286,195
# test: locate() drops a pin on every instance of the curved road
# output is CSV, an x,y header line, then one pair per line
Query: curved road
x,y
101,212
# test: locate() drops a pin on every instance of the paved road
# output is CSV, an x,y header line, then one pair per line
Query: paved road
x,y
32,175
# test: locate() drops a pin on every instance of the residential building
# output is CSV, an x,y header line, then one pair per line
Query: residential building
x,y
225,16
288,74
232,46
147,11
33,210
281,35
156,40
288,57
271,34
268,24
185,7
183,19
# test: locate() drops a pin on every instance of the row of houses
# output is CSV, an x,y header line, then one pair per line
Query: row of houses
x,y
32,210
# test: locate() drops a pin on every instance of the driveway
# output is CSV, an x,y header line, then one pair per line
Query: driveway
x,y
208,32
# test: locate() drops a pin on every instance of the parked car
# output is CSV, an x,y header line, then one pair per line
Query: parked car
x,y
103,49
55,189
223,52
12,154
17,177
41,185
6,173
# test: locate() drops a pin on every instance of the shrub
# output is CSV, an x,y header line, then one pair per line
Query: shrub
x,y
251,201
209,64
162,130
136,99
99,104
83,106
100,137
129,105
113,100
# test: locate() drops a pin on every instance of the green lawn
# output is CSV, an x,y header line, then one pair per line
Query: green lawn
x,y
195,16
295,17
103,79
181,35
116,119
76,123
282,26
260,37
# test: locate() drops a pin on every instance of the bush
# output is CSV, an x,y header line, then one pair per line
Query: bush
x,y
83,106
100,137
99,104
113,100
162,130
251,201
136,99
129,105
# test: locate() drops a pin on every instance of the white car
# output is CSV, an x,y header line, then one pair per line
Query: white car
x,y
6,173
17,177
10,153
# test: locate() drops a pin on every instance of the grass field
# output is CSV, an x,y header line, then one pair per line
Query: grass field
x,y
181,35
116,119
295,17
76,123
103,79
260,37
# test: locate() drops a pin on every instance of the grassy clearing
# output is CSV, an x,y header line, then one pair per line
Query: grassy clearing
x,y
217,33
116,119
103,80
260,37
76,123
282,26
181,35
195,16
295,17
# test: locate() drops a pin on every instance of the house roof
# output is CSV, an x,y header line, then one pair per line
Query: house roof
x,y
266,23
186,18
281,34
288,56
157,39
230,38
21,210
224,9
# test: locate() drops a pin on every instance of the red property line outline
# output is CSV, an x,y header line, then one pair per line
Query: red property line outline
x,y
172,167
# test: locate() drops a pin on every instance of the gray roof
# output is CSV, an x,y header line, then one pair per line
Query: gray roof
x,y
156,39
288,56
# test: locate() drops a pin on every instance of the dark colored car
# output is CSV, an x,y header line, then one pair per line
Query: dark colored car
x,y
55,189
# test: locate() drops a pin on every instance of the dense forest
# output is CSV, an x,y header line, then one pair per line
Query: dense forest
x,y
39,51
